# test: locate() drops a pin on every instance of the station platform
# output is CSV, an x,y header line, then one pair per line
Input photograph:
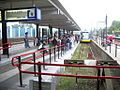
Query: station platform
x,y
15,50
12,75
112,50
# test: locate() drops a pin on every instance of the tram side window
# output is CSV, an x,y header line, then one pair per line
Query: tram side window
x,y
15,32
22,32
29,32
33,32
8,31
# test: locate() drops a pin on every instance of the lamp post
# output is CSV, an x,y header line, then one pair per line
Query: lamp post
x,y
106,25
106,31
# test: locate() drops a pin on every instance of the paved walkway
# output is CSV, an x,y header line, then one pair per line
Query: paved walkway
x,y
15,50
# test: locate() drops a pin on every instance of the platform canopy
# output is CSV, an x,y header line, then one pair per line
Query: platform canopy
x,y
53,13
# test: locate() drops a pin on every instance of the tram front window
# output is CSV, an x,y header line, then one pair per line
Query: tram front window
x,y
85,36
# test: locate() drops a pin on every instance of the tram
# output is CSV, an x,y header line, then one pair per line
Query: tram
x,y
85,37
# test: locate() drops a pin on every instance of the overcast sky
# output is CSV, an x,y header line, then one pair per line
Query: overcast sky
x,y
91,13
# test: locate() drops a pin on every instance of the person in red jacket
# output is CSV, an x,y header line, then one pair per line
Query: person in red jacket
x,y
111,39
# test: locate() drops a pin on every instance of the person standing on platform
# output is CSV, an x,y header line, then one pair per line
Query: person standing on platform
x,y
50,41
111,39
26,40
35,41
55,41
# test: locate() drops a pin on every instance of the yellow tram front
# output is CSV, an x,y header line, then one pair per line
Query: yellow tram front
x,y
85,37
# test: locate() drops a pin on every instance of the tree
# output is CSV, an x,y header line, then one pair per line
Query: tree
x,y
114,27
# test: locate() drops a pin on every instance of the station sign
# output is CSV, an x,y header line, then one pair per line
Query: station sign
x,y
0,16
23,14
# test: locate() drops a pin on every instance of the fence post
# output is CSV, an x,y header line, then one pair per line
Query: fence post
x,y
58,52
110,48
0,54
99,40
39,77
20,74
76,79
103,74
50,54
44,59
98,80
54,55
64,48
115,50
34,62
61,50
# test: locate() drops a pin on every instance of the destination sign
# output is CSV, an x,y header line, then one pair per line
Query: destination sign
x,y
23,14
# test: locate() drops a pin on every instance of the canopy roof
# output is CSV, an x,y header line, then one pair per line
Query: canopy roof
x,y
53,13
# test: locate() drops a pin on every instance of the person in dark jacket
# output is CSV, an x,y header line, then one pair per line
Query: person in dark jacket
x,y
42,47
54,41
26,40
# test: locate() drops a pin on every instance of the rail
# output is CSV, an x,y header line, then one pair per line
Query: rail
x,y
48,49
9,45
39,73
51,50
68,65
5,44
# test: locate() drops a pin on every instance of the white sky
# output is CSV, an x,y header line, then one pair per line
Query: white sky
x,y
91,13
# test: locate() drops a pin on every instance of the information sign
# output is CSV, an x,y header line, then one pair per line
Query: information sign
x,y
23,14
0,16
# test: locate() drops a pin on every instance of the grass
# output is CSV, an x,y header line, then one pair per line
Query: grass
x,y
77,53
69,83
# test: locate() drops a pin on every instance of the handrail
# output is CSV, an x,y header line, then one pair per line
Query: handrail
x,y
68,65
6,44
32,53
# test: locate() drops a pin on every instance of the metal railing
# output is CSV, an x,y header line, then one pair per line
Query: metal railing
x,y
34,57
50,51
112,44
39,73
9,45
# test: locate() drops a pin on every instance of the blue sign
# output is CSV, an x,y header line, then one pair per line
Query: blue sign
x,y
22,14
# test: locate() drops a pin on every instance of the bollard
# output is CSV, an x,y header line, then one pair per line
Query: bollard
x,y
115,50
50,55
20,74
39,77
34,64
44,59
